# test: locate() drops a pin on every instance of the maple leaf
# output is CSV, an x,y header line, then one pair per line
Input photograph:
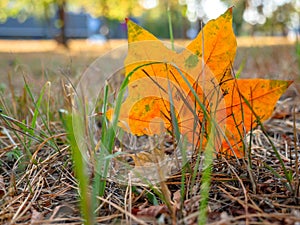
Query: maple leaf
x,y
197,85
248,100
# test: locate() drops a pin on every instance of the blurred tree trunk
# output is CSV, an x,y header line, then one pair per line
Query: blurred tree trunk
x,y
62,37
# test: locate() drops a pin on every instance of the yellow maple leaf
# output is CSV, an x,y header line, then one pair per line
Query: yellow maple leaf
x,y
197,84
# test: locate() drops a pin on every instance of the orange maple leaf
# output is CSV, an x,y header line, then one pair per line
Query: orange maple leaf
x,y
195,84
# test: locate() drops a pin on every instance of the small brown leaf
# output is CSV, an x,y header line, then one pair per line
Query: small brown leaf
x,y
143,158
36,217
177,199
151,211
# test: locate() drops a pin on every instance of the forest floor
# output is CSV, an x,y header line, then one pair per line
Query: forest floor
x,y
44,190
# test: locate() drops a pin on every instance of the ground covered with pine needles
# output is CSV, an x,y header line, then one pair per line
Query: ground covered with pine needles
x,y
42,189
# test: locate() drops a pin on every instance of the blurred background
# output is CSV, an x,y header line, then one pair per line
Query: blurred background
x,y
100,20
47,39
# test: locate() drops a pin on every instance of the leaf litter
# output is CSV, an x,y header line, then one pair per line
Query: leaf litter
x,y
47,192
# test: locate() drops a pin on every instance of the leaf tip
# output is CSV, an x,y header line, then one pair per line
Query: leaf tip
x,y
288,83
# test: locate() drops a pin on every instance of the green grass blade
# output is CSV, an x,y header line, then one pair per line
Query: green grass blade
x,y
208,153
170,27
99,183
174,120
80,168
240,69
37,114
286,173
7,120
109,136
206,178
181,146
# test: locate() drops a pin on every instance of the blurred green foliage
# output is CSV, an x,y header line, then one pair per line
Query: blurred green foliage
x,y
251,17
